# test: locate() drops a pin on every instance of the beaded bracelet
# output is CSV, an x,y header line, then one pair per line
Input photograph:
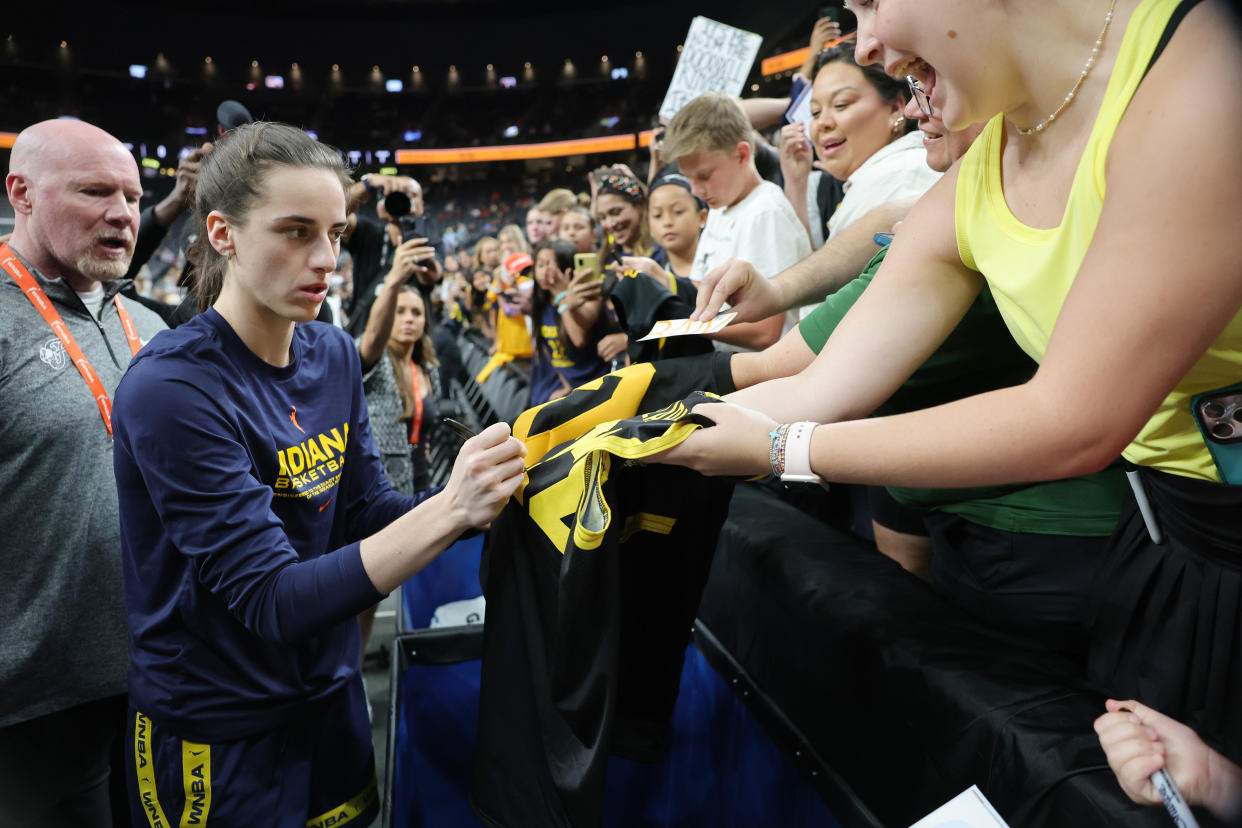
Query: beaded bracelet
x,y
776,452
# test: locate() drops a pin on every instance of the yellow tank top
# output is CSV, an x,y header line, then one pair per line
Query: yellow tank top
x,y
1030,270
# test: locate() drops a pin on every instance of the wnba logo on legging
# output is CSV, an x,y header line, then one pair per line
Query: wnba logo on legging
x,y
145,773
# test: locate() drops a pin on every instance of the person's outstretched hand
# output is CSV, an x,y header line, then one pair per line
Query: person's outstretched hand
x,y
753,296
737,445
1139,741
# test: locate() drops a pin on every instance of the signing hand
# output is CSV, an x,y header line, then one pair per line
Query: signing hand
x,y
488,470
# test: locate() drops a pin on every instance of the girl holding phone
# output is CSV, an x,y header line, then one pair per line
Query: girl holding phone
x,y
569,317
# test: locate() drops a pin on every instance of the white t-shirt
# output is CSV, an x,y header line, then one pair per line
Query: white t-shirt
x,y
896,171
812,209
762,229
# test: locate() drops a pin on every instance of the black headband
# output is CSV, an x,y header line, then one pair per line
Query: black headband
x,y
673,179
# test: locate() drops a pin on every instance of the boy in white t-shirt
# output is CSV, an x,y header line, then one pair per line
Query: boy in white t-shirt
x,y
710,138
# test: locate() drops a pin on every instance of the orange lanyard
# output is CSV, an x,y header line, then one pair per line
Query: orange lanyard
x,y
416,428
43,305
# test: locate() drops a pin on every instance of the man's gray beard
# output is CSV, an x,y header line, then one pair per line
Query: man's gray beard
x,y
102,270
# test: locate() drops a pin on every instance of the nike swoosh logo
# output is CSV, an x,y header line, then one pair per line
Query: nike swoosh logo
x,y
196,753
324,506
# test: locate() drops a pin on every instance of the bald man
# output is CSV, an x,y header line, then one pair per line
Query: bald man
x,y
65,340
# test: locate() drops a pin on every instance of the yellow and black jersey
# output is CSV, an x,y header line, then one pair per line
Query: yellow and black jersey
x,y
640,301
637,389
592,574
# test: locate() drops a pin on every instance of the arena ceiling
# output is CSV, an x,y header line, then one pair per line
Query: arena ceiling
x,y
433,33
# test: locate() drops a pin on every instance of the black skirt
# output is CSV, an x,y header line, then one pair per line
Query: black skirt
x,y
1166,619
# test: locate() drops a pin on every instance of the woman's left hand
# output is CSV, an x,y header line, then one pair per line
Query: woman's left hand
x,y
796,155
738,445
583,288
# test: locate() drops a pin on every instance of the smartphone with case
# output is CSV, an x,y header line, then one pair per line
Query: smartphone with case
x,y
831,12
1219,416
591,260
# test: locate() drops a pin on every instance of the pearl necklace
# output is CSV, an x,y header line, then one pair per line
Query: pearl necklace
x,y
1086,70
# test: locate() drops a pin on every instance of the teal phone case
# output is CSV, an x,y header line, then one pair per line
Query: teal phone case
x,y
1219,417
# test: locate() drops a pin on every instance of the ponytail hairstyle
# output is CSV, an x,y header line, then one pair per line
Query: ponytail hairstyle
x,y
232,179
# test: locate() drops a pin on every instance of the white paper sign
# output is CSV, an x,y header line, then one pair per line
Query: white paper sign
x,y
800,111
969,809
685,327
715,58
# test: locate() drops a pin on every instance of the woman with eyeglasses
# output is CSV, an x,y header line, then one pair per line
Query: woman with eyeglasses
x,y
1104,250
858,135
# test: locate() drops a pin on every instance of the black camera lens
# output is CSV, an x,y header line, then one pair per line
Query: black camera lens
x,y
397,204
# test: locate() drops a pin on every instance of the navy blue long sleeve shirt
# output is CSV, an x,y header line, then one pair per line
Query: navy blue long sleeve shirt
x,y
244,490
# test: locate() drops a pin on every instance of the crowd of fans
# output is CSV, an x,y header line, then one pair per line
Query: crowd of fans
x,y
558,277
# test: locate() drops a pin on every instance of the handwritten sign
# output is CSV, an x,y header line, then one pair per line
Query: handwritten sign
x,y
715,58
685,327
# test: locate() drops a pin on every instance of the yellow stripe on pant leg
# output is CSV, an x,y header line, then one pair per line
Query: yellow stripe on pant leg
x,y
196,777
351,810
144,766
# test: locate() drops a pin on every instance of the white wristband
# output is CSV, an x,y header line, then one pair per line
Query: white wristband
x,y
798,455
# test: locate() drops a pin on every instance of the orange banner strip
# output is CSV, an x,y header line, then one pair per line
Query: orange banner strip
x,y
518,152
7,139
792,60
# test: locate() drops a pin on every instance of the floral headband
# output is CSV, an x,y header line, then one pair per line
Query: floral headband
x,y
631,189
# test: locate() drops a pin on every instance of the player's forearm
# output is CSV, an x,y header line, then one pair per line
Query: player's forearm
x,y
396,553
